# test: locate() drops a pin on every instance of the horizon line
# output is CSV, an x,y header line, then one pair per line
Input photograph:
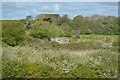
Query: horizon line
x,y
67,15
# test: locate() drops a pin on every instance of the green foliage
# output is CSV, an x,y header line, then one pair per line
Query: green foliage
x,y
105,25
65,19
69,33
46,30
77,21
28,25
55,31
13,32
96,24
92,56
40,35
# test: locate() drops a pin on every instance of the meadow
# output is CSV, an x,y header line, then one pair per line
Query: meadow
x,y
92,51
95,56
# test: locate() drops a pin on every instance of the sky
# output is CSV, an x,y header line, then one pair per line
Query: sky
x,y
60,0
19,10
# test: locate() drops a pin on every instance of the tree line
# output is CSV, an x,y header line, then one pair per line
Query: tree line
x,y
14,31
96,24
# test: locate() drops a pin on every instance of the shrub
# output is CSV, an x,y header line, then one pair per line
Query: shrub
x,y
45,30
13,32
39,34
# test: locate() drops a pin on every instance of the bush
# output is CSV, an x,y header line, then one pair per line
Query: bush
x,y
39,34
13,32
46,30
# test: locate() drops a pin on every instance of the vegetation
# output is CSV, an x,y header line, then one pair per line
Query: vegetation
x,y
56,26
13,32
41,59
47,30
92,51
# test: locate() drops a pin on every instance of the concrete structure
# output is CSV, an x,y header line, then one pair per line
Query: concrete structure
x,y
61,40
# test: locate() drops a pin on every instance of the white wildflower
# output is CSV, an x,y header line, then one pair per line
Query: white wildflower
x,y
65,62
66,70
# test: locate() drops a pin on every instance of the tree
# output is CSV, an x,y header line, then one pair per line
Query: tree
x,y
29,17
13,32
65,19
77,21
28,24
66,23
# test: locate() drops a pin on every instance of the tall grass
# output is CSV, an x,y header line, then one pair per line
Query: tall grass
x,y
56,62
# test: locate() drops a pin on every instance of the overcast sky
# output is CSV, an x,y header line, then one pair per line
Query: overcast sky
x,y
19,10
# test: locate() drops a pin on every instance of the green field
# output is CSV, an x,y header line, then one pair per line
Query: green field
x,y
29,52
95,56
